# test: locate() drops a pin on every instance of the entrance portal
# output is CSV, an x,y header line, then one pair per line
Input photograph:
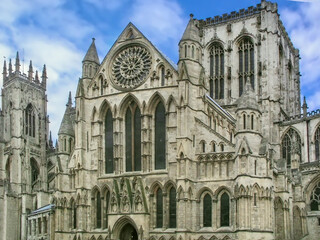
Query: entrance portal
x,y
128,232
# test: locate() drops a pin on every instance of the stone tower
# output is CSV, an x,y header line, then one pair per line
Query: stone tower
x,y
23,144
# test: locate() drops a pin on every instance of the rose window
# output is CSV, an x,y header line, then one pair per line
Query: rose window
x,y
131,67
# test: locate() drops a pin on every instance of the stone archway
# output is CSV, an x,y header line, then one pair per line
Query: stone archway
x,y
128,232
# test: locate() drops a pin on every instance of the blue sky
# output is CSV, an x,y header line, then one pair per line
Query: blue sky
x,y
58,33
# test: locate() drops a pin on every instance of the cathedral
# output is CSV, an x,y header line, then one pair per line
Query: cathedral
x,y
215,147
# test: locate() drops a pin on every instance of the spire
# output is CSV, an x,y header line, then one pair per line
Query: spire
x,y
92,55
44,76
192,30
36,79
30,72
17,63
69,103
56,145
67,124
304,107
10,67
4,72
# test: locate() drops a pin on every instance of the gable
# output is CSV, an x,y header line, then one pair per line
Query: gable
x,y
133,62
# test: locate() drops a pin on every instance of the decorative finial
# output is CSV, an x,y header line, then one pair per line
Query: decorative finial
x,y
304,107
10,67
50,140
17,63
4,72
69,104
93,39
36,79
191,16
30,72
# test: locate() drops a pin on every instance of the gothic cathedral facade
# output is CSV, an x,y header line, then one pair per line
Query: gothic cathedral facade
x,y
215,147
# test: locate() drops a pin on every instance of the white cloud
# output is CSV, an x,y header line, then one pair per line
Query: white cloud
x,y
110,4
161,20
303,27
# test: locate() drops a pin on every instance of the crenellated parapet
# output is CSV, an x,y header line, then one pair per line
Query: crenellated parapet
x,y
9,74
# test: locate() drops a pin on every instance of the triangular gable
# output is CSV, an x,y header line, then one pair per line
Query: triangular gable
x,y
243,144
184,72
131,33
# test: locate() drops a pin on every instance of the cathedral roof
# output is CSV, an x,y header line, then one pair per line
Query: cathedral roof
x,y
92,55
67,124
192,31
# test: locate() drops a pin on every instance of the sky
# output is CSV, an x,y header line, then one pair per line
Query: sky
x,y
58,33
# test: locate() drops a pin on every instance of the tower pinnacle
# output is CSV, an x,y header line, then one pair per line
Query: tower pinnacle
x,y
4,72
17,63
44,76
30,72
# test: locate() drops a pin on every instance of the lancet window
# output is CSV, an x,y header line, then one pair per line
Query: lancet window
x,y
133,138
246,63
98,210
224,210
160,137
172,208
159,208
291,146
216,81
207,211
109,161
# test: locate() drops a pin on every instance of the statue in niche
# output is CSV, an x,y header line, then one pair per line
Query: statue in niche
x,y
113,203
125,202
138,202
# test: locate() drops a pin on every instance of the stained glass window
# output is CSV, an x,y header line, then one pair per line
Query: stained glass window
x,y
225,209
98,210
290,145
109,142
246,64
160,137
172,208
159,208
216,81
133,138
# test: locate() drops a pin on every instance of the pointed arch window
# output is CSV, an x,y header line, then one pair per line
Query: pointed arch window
x,y
315,198
133,138
30,122
98,210
207,211
317,143
159,208
224,210
160,137
216,82
246,63
291,146
109,165
172,208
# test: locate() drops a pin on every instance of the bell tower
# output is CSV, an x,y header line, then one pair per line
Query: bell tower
x,y
23,147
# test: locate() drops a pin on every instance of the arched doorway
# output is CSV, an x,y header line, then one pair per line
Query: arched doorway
x,y
128,232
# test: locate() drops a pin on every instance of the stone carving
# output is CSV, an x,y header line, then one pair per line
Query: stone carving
x,y
131,67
